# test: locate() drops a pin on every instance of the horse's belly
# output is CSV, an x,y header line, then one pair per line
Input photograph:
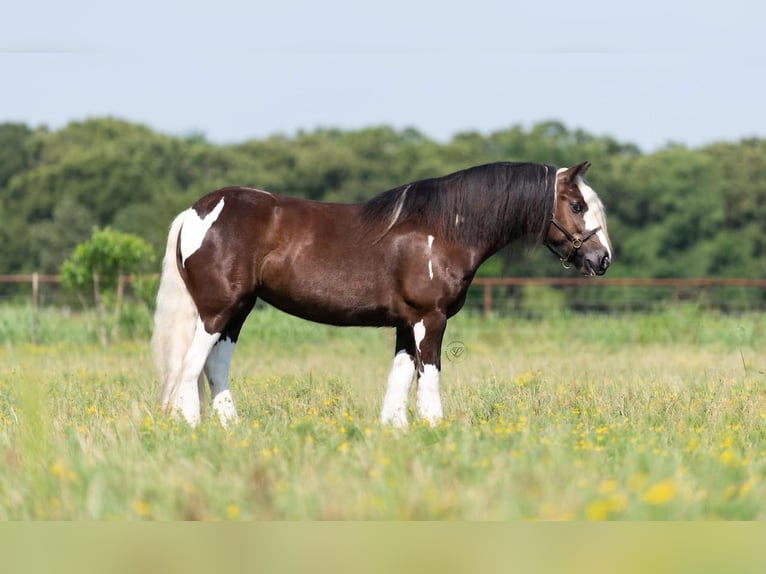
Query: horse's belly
x,y
333,312
341,305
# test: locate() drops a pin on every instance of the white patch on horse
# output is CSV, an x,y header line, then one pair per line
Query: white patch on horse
x,y
594,215
217,371
430,261
394,410
194,230
419,331
397,209
186,399
261,191
429,401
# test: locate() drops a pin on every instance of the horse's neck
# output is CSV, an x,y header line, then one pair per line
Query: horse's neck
x,y
509,224
507,235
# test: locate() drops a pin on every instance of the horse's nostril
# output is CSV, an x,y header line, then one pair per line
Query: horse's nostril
x,y
605,261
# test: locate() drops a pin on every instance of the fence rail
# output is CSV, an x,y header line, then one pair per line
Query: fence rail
x,y
677,284
488,283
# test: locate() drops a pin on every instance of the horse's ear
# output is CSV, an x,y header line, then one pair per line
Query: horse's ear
x,y
584,166
576,170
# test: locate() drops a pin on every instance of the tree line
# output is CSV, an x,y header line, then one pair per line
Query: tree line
x,y
676,212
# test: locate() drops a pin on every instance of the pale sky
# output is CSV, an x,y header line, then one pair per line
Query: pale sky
x,y
649,73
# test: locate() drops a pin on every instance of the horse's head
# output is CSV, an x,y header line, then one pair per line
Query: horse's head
x,y
577,232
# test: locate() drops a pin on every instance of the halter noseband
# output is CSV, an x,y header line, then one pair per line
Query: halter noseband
x,y
576,242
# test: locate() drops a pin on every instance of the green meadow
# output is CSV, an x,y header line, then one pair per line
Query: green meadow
x,y
567,417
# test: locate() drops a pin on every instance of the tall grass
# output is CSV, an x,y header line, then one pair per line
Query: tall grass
x,y
21,324
571,417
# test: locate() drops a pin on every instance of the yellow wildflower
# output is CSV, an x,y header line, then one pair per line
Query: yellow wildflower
x,y
597,510
141,508
661,492
727,457
60,470
607,486
232,512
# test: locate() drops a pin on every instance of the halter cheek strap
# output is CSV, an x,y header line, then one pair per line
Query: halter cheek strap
x,y
575,241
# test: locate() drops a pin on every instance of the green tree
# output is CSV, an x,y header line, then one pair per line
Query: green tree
x,y
99,265
14,160
102,172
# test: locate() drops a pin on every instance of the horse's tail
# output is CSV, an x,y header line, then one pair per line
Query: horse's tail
x,y
174,319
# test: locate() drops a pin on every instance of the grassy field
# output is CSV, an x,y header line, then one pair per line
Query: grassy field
x,y
572,417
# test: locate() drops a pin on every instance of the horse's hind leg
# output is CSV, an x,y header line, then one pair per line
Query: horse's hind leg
x,y
186,399
219,361
217,371
394,411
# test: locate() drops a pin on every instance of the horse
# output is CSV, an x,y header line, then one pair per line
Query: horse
x,y
404,259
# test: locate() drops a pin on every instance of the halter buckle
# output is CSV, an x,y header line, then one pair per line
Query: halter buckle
x,y
575,242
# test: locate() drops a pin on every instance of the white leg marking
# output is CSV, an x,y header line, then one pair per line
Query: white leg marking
x,y
194,230
419,330
217,371
394,411
430,262
429,401
186,400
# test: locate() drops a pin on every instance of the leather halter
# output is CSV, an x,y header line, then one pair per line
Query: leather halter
x,y
575,241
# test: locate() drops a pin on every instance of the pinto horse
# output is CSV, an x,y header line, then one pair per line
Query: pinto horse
x,y
403,259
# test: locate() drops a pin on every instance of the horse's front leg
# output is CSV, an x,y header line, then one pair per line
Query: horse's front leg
x,y
428,334
394,411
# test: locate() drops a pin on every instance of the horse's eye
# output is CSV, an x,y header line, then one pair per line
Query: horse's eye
x,y
577,207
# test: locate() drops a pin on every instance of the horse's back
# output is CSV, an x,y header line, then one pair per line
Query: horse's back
x,y
243,198
283,248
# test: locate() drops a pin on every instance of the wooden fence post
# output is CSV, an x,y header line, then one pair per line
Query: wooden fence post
x,y
487,299
35,304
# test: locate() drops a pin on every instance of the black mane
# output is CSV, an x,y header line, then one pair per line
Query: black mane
x,y
493,203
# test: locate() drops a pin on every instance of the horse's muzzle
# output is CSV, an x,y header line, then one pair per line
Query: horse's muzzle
x,y
596,263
